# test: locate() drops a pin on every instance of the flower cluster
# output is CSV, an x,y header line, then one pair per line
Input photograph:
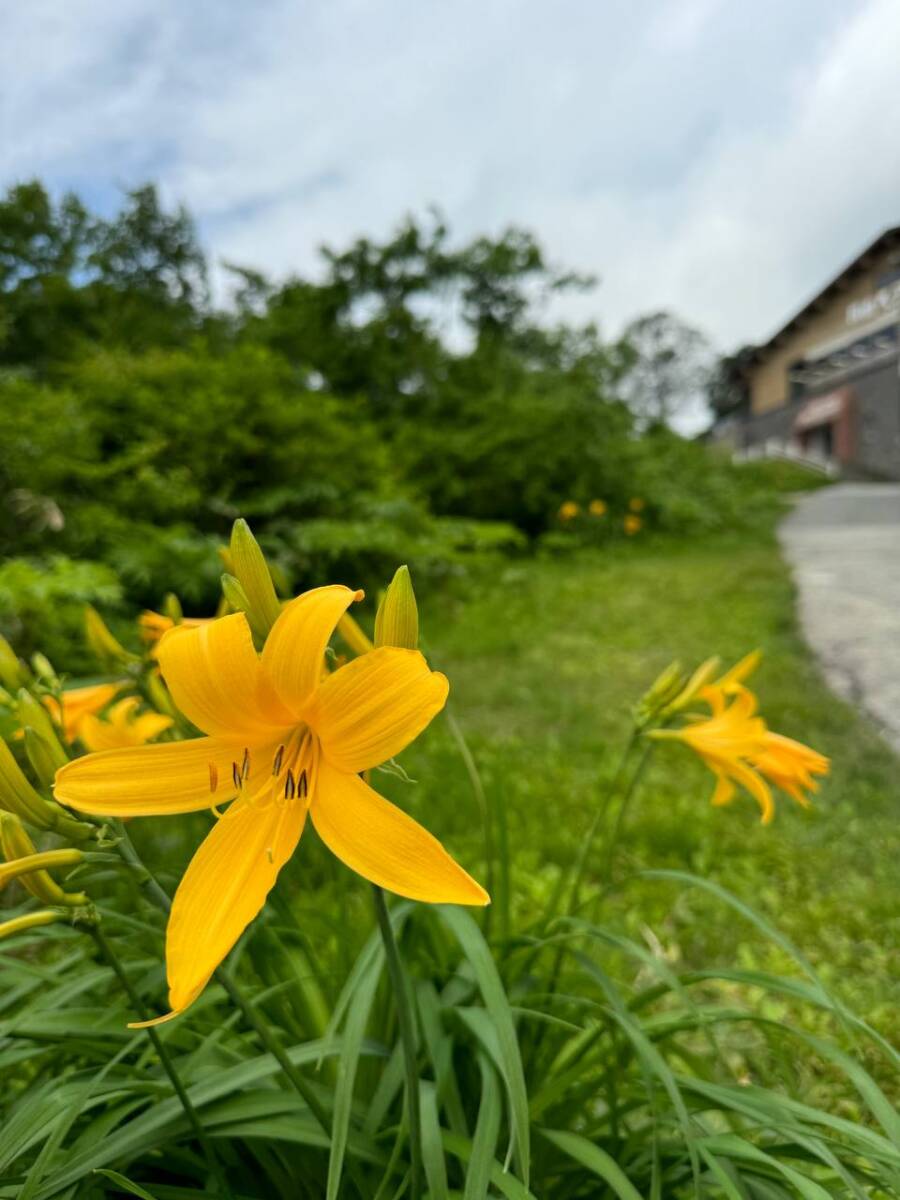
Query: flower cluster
x,y
631,521
731,739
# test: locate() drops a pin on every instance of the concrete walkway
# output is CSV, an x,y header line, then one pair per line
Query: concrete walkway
x,y
843,544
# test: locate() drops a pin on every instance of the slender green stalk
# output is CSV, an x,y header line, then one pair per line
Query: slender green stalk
x,y
582,860
481,799
168,1065
619,823
599,816
407,1038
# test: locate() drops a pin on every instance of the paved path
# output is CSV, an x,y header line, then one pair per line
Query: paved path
x,y
843,544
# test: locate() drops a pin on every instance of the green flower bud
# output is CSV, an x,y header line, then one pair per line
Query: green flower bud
x,y
13,673
107,648
235,594
30,921
17,796
31,712
23,862
252,573
397,619
172,608
46,755
43,668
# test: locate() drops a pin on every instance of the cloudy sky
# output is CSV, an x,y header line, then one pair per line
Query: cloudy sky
x,y
721,159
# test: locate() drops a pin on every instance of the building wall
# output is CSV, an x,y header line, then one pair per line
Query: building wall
x,y
861,308
878,420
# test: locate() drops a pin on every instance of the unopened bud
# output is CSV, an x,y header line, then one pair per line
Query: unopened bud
x,y
30,921
700,678
397,619
13,673
17,796
43,668
31,712
107,648
252,572
25,863
172,608
235,594
45,754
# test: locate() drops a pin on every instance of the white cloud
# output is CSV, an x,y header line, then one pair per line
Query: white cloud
x,y
718,159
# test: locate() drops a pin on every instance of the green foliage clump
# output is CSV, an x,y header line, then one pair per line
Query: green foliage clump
x,y
407,404
42,604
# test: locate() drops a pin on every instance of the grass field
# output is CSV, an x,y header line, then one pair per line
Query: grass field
x,y
666,996
546,659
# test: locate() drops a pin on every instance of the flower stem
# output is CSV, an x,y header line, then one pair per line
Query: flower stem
x,y
168,1065
407,1038
602,809
582,860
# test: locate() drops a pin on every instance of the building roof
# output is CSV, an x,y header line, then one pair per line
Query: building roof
x,y
885,241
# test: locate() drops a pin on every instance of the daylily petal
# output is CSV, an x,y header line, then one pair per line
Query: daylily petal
x,y
225,887
216,679
170,777
381,843
374,706
756,786
294,654
77,702
724,791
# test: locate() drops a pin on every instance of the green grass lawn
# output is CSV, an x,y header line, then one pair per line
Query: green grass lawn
x,y
545,659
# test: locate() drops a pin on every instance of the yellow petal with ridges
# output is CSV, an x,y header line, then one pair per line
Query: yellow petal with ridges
x,y
216,678
381,843
374,706
225,887
169,777
294,654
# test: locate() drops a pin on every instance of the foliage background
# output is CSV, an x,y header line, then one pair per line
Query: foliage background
x,y
407,404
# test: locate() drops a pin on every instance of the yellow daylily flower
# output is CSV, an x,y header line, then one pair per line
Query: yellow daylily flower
x,y
733,679
154,625
728,742
77,703
568,510
282,740
632,524
597,508
122,726
790,765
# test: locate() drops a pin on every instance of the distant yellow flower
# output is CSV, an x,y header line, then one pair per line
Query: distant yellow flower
x,y
75,704
282,741
153,624
632,524
636,504
790,765
597,508
122,726
568,510
727,742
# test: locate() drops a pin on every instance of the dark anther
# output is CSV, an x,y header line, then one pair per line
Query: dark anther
x,y
276,765
290,786
245,765
236,776
302,786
